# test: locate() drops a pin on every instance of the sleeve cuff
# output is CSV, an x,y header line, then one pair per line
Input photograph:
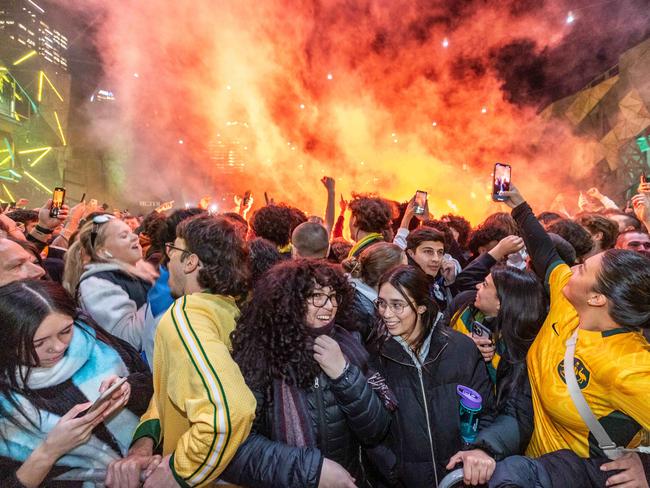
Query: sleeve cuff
x,y
520,210
181,482
148,428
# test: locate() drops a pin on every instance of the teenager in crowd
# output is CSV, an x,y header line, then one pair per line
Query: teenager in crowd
x,y
310,379
602,305
425,249
423,362
104,270
55,363
365,272
201,410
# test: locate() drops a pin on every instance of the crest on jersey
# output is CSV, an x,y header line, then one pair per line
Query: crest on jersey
x,y
579,369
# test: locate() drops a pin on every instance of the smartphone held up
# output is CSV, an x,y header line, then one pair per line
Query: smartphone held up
x,y
57,201
501,181
420,202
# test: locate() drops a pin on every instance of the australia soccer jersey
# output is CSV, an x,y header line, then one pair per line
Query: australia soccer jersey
x,y
612,369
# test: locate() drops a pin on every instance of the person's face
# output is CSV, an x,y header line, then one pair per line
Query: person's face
x,y
487,300
121,243
428,256
179,265
634,241
397,314
52,339
132,222
579,290
322,305
17,264
30,226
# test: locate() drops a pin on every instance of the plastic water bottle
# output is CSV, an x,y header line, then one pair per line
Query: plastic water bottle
x,y
470,406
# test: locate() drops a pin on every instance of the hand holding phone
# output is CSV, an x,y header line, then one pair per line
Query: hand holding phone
x,y
107,395
501,181
479,330
57,201
419,202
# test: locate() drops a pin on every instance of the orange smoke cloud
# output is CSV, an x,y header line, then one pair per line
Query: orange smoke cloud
x,y
384,96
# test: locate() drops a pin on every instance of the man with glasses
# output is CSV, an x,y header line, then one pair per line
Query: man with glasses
x,y
201,410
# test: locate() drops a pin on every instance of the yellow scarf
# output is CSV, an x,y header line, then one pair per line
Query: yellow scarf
x,y
358,247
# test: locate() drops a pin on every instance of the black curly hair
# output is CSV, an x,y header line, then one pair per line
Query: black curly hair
x,y
222,252
371,213
483,235
577,235
263,255
274,223
460,225
270,340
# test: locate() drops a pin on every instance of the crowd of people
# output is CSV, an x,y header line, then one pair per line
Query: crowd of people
x,y
186,348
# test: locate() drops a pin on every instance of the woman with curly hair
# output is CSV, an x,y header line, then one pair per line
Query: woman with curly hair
x,y
370,222
315,405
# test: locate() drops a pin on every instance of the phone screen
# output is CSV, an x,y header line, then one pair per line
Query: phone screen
x,y
420,202
501,182
57,201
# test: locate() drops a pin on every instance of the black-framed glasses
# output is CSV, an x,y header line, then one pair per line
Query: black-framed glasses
x,y
97,221
396,307
169,246
320,299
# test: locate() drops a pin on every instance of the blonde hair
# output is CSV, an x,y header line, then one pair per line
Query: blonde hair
x,y
83,252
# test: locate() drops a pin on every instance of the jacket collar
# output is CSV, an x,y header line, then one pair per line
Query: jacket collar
x,y
438,341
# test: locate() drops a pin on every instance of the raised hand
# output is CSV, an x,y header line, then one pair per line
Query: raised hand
x,y
328,355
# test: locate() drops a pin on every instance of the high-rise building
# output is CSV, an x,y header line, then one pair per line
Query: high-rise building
x,y
27,24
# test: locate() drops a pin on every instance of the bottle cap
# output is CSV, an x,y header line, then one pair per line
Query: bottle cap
x,y
469,398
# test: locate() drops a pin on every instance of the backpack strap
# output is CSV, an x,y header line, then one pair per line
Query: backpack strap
x,y
605,443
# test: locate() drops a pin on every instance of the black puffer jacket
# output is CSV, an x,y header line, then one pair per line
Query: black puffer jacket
x,y
429,405
346,414
359,316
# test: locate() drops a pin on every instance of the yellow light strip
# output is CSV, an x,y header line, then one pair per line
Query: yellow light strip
x,y
47,190
5,160
11,197
45,153
37,149
25,57
40,86
52,86
58,123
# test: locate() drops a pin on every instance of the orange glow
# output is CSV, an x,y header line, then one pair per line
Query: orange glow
x,y
384,96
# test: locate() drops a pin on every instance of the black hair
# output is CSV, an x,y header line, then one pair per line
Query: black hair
x,y
575,234
460,225
371,213
624,278
263,255
339,250
23,216
413,284
547,218
222,252
271,340
23,307
274,223
169,233
154,226
483,235
423,234
502,220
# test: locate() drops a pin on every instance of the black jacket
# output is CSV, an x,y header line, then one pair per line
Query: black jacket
x,y
359,316
453,360
346,414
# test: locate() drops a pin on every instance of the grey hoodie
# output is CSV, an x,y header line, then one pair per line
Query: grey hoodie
x,y
110,306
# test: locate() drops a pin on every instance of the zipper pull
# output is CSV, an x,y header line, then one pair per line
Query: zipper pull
x,y
316,385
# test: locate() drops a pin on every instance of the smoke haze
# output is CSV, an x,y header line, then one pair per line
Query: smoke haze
x,y
388,96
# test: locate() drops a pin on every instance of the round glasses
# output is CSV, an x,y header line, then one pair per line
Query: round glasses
x,y
396,307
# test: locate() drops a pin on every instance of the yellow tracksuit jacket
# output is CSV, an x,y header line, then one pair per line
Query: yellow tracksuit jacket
x,y
201,409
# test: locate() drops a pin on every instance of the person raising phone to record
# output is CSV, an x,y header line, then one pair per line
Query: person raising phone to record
x,y
603,305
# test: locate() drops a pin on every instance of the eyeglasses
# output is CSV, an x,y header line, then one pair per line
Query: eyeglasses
x,y
170,245
320,299
97,221
396,307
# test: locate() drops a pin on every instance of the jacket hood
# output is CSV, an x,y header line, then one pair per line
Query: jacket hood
x,y
94,268
364,289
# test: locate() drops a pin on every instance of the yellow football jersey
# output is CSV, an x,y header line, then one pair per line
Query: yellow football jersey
x,y
613,372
